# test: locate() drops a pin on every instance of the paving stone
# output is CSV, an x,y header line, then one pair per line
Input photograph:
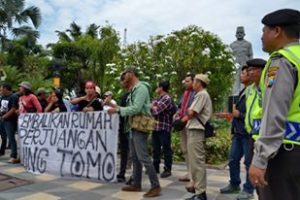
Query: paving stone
x,y
9,182
39,196
16,193
83,196
52,187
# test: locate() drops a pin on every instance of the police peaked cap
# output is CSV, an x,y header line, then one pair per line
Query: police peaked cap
x,y
256,62
282,17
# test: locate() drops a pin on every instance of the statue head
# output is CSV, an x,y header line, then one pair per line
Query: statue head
x,y
240,33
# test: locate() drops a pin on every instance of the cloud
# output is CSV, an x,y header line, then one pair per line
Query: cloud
x,y
144,18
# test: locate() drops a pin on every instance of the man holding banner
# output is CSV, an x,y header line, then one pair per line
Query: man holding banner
x,y
138,103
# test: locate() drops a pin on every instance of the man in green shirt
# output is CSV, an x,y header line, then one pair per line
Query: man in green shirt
x,y
138,103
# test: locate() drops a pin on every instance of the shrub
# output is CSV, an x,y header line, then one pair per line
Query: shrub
x,y
217,148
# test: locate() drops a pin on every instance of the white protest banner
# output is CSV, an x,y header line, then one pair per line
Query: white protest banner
x,y
71,144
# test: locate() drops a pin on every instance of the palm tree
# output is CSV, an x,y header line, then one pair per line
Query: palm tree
x,y
75,31
92,30
63,36
13,12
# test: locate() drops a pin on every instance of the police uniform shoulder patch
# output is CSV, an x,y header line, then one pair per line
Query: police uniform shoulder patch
x,y
271,74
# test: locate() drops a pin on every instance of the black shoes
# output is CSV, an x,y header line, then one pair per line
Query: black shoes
x,y
201,196
165,174
121,179
130,181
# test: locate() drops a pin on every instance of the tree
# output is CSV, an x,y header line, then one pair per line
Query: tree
x,y
85,54
20,48
13,76
107,50
13,12
171,56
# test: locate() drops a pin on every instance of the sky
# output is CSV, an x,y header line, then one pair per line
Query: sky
x,y
143,18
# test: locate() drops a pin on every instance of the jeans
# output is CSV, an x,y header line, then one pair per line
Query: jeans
x,y
3,139
140,155
8,129
240,147
162,139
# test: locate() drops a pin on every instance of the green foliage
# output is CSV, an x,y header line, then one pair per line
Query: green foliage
x,y
38,81
16,55
170,57
217,148
86,55
13,12
39,65
14,76
21,48
98,56
177,153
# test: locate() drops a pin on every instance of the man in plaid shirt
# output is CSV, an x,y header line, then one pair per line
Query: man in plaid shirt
x,y
161,137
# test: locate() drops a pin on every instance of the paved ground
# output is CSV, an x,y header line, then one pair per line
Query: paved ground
x,y
48,187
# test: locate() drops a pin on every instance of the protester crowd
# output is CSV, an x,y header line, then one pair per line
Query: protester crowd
x,y
13,103
259,118
162,108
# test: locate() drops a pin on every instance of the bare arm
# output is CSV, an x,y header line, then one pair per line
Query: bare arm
x,y
77,100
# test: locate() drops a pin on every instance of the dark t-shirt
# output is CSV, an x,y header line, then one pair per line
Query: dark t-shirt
x,y
59,106
96,104
7,103
44,103
123,120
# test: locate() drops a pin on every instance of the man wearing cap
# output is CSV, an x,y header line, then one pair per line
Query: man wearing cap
x,y
108,100
240,143
138,103
200,110
254,98
275,166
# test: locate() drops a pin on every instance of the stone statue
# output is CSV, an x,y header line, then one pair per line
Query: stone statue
x,y
242,51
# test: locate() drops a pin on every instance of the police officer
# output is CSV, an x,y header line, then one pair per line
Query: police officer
x,y
275,165
254,98
253,115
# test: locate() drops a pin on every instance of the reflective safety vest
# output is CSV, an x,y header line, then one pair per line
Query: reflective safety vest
x,y
292,128
253,110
